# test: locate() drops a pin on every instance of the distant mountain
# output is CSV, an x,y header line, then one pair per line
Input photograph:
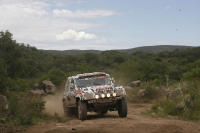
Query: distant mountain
x,y
155,49
71,52
147,49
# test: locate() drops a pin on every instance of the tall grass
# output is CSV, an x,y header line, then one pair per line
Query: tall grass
x,y
191,110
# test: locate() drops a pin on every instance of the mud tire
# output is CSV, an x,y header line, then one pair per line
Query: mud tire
x,y
72,111
122,107
65,108
69,111
82,110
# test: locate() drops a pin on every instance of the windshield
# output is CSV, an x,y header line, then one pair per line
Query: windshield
x,y
93,81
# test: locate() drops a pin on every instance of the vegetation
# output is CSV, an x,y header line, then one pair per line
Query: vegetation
x,y
190,100
22,65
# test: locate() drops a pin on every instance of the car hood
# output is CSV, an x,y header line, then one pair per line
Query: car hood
x,y
96,88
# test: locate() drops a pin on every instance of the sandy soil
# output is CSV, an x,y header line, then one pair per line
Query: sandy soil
x,y
135,122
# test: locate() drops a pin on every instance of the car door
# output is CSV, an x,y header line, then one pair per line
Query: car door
x,y
71,99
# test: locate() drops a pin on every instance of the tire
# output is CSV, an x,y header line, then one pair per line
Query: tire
x,y
69,111
82,110
65,108
122,107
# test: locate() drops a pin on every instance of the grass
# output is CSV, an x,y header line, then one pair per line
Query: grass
x,y
167,106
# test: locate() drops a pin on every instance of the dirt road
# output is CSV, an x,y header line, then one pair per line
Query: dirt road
x,y
135,122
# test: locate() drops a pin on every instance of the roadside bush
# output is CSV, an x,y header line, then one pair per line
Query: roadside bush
x,y
165,106
146,93
24,110
191,104
151,92
56,76
18,85
194,73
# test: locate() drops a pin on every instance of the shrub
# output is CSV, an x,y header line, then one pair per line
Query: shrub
x,y
56,76
167,106
151,91
24,109
84,68
193,74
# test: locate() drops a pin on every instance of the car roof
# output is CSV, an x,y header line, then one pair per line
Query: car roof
x,y
88,74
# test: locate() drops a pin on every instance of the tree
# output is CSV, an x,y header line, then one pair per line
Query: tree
x,y
3,77
10,54
57,76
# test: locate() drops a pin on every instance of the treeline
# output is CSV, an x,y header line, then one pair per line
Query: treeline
x,y
21,62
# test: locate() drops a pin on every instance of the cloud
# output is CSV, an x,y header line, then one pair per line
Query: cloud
x,y
22,10
167,7
40,23
82,13
72,35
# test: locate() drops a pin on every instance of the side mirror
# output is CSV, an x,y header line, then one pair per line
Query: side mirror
x,y
113,80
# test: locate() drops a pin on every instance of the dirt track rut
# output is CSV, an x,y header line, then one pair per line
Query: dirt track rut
x,y
135,122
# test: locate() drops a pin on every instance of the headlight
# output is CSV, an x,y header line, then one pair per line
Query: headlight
x,y
114,94
102,95
108,95
96,96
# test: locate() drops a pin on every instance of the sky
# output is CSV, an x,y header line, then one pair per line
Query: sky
x,y
101,24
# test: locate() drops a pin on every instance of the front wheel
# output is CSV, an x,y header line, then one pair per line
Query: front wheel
x,y
82,110
122,107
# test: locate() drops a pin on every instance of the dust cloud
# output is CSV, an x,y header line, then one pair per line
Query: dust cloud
x,y
54,104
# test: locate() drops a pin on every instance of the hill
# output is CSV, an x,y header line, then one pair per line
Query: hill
x,y
147,49
155,49
71,52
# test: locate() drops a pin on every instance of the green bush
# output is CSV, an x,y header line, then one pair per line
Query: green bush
x,y
24,110
3,77
56,76
86,68
167,106
194,73
151,92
